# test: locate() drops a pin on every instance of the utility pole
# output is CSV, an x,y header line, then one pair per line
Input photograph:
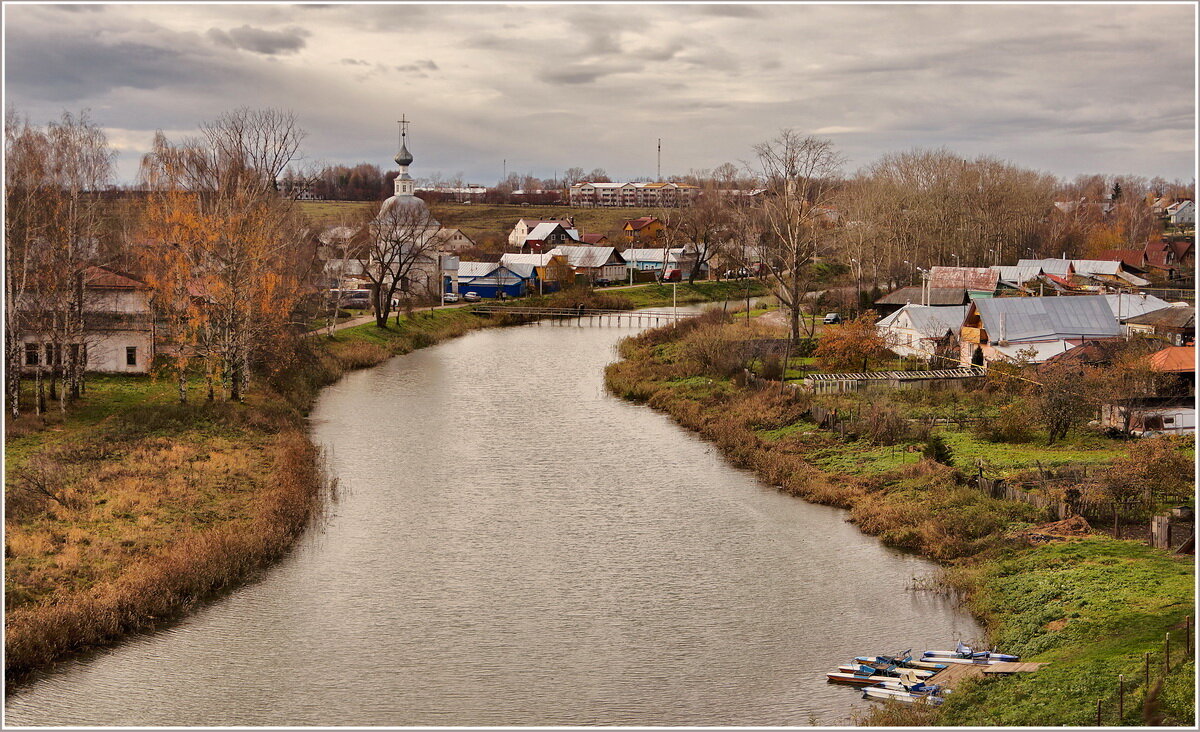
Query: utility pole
x,y
659,178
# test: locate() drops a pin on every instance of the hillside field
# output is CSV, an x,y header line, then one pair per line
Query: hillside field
x,y
479,220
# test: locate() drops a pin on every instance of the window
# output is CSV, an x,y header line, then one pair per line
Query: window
x,y
1168,420
131,355
31,354
53,354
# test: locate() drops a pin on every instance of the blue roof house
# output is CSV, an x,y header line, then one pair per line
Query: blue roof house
x,y
494,280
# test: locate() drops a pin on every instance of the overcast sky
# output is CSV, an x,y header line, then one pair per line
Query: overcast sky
x,y
1067,89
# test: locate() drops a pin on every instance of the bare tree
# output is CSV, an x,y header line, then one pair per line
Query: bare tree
x,y
256,142
53,181
800,174
395,250
705,227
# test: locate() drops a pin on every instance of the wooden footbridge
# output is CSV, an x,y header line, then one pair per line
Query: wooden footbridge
x,y
823,383
586,316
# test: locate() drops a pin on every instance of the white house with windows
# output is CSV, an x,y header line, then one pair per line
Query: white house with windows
x,y
118,328
921,330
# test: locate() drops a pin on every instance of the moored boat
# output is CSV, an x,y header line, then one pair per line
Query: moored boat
x,y
902,661
907,697
887,670
841,677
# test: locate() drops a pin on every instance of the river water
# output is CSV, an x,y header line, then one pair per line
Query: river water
x,y
511,545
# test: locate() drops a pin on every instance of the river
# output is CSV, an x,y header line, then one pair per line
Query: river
x,y
509,545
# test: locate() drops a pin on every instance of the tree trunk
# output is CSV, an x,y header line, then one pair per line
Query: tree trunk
x,y
182,366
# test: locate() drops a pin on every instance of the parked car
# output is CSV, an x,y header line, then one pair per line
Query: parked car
x,y
832,319
472,297
602,282
451,297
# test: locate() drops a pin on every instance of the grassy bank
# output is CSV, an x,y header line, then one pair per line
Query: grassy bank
x,y
131,508
1090,606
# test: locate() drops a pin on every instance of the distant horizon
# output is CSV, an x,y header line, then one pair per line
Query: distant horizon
x,y
1068,90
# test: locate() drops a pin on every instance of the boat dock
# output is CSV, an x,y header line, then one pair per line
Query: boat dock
x,y
955,673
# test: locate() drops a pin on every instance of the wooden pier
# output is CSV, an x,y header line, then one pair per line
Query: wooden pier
x,y
955,673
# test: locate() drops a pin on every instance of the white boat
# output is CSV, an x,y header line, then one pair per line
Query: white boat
x,y
921,673
898,685
842,677
905,662
882,694
965,651
972,661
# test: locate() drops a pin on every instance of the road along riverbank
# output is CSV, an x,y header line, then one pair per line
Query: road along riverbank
x,y
1093,607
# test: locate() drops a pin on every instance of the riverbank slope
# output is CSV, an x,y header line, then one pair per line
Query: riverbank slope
x,y
1092,607
132,508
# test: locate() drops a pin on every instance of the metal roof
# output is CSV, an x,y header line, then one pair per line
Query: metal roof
x,y
1053,266
588,256
652,255
1126,305
476,269
1174,359
937,296
1170,317
1047,318
546,228
535,260
969,278
1017,275
929,321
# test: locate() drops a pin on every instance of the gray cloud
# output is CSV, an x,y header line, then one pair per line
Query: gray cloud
x,y
258,40
1065,88
422,65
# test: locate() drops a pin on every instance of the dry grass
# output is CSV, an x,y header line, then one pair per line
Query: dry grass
x,y
150,536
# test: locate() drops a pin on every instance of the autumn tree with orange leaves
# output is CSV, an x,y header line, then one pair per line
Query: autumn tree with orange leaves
x,y
221,244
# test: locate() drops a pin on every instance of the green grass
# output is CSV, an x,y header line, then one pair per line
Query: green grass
x,y
1004,458
1091,608
648,296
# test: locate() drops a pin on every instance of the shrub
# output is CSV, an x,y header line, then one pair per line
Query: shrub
x,y
772,367
882,424
938,451
1014,425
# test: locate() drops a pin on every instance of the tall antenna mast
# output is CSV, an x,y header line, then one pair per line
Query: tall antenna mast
x,y
504,177
659,179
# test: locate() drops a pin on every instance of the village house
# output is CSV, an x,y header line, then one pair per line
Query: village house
x,y
937,296
641,230
551,271
118,327
1181,213
1173,410
977,281
545,236
674,263
597,264
1035,328
494,280
922,331
520,231
594,240
453,240
1175,324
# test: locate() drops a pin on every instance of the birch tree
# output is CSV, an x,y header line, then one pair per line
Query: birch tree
x,y
800,174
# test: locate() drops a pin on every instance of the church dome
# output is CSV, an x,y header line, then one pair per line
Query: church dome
x,y
404,157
